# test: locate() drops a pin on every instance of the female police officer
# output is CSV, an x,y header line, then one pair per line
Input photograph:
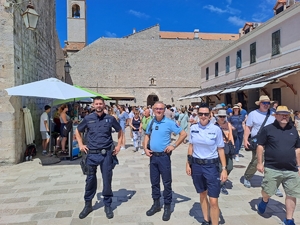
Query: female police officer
x,y
100,150
206,145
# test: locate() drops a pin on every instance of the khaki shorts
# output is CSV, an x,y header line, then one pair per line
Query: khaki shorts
x,y
45,135
290,181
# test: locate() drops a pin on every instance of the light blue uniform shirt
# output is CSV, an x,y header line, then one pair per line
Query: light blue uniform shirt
x,y
206,140
161,133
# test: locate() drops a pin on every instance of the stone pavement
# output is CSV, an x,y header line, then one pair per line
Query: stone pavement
x,y
32,194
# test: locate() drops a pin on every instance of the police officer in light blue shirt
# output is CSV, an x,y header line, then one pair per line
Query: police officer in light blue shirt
x,y
158,134
205,150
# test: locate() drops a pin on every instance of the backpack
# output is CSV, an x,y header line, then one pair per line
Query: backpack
x,y
29,152
67,128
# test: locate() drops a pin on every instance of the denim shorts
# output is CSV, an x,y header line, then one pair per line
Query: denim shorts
x,y
207,177
290,181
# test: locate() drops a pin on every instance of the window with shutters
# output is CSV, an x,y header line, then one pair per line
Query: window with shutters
x,y
207,73
253,53
276,43
239,59
216,69
227,64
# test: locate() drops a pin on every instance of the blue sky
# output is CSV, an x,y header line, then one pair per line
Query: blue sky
x,y
117,18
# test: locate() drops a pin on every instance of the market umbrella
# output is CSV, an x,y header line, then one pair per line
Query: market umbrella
x,y
81,100
49,88
92,92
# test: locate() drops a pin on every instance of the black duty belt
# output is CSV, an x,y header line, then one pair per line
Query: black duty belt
x,y
160,153
205,161
97,151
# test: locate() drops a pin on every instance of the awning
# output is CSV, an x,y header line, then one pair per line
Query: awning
x,y
263,81
213,92
253,86
229,90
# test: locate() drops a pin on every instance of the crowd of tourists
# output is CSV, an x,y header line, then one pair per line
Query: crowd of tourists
x,y
216,136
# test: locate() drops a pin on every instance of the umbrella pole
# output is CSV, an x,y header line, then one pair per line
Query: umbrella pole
x,y
50,127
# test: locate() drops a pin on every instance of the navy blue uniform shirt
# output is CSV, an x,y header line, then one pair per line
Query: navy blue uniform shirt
x,y
98,134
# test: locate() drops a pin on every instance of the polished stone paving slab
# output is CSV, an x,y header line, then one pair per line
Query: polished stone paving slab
x,y
33,194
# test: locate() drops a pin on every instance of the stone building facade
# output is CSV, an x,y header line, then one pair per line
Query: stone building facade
x,y
144,65
25,56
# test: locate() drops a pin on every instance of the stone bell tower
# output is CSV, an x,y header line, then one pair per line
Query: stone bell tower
x,y
76,25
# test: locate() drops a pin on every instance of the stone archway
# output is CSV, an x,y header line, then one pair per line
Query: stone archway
x,y
151,99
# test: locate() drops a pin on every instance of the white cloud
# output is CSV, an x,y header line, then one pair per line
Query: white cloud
x,y
219,10
138,14
214,9
110,34
236,21
232,10
265,10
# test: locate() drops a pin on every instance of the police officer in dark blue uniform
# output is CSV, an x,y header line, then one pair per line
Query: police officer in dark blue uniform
x,y
159,132
100,151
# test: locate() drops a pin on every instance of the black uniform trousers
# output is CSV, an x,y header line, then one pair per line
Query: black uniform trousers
x,y
106,163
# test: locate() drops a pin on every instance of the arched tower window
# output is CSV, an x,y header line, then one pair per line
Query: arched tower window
x,y
75,11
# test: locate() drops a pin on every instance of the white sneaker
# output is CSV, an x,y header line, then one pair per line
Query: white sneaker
x,y
143,152
237,159
44,152
278,193
132,139
122,148
247,183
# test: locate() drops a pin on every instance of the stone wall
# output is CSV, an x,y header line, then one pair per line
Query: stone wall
x,y
27,56
129,64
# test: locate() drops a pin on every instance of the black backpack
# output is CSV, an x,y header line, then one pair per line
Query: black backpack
x,y
67,128
30,152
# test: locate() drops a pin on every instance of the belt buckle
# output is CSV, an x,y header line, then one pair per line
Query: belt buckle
x,y
103,151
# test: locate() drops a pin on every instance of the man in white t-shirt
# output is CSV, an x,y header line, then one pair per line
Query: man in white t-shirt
x,y
194,118
254,121
44,128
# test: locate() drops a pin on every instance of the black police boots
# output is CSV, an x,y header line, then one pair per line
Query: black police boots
x,y
167,212
154,208
108,211
86,210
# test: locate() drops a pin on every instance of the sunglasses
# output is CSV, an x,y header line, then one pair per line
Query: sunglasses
x,y
159,109
222,116
265,103
203,114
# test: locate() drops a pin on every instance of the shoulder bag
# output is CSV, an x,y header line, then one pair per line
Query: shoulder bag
x,y
150,129
228,146
253,140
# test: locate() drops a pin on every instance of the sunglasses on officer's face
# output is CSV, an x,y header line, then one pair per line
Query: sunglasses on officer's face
x,y
222,116
265,103
203,114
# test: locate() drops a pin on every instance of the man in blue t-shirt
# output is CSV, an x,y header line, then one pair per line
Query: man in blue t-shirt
x,y
158,134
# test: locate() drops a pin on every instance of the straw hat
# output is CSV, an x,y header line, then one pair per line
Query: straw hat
x,y
263,98
282,110
221,113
